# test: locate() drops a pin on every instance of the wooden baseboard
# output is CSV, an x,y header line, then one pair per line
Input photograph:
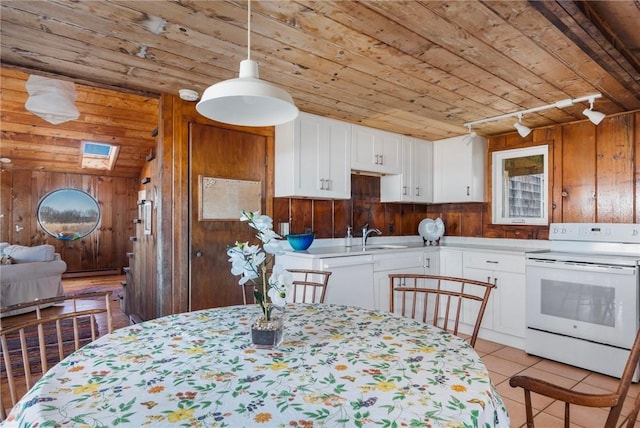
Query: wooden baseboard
x,y
92,273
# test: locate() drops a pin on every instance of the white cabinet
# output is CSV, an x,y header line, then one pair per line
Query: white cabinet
x,y
450,262
415,183
313,158
505,312
351,280
458,169
417,262
374,150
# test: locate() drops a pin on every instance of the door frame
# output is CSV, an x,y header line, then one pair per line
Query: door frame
x,y
174,193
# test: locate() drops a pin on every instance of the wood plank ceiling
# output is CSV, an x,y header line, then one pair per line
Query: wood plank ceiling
x,y
421,68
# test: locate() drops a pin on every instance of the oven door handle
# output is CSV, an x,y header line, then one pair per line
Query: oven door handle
x,y
582,267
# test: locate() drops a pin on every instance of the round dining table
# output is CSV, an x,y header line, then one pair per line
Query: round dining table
x,y
338,366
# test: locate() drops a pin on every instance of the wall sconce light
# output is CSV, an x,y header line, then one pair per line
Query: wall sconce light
x,y
594,116
522,129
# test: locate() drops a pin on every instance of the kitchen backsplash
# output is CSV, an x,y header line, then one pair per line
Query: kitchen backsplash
x,y
330,218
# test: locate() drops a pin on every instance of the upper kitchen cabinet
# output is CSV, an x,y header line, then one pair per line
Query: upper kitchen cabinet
x,y
374,150
458,169
415,183
313,158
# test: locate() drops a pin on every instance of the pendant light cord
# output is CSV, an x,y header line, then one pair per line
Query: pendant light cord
x,y
249,30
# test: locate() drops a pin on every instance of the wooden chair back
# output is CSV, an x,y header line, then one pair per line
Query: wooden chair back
x,y
248,298
443,301
309,286
614,400
31,342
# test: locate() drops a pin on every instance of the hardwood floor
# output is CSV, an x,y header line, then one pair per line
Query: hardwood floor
x,y
72,285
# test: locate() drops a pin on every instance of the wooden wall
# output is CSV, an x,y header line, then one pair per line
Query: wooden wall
x,y
103,249
45,157
597,168
143,260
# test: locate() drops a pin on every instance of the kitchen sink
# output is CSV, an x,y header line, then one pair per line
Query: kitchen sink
x,y
385,247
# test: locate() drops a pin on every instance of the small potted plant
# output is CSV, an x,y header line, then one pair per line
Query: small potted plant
x,y
251,263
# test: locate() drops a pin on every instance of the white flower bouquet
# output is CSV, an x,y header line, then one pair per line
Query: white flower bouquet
x,y
251,263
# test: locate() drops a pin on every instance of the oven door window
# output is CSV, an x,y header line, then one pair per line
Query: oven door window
x,y
592,304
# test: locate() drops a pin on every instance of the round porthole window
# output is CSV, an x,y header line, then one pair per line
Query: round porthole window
x,y
68,214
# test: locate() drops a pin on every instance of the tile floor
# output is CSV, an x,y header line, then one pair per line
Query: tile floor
x,y
504,362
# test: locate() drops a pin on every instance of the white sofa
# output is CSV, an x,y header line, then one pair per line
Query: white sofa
x,y
34,273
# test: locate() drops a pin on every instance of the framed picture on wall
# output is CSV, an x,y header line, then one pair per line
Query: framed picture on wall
x,y
147,217
224,198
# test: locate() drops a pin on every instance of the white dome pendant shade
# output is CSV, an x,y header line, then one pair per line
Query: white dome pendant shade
x,y
247,100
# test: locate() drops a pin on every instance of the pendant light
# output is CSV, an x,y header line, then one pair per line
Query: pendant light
x,y
247,100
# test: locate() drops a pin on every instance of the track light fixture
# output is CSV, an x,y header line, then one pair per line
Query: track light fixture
x,y
470,136
594,116
247,100
522,129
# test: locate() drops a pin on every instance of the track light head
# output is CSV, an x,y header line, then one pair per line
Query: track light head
x,y
594,116
522,129
470,136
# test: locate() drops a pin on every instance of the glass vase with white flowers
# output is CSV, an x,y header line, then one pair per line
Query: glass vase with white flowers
x,y
251,262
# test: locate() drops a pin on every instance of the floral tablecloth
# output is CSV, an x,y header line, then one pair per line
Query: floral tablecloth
x,y
338,366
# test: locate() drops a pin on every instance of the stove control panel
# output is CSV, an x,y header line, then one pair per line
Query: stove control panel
x,y
595,232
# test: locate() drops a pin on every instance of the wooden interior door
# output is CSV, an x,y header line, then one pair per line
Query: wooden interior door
x,y
230,154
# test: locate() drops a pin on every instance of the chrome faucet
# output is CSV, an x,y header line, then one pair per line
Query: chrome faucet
x,y
366,232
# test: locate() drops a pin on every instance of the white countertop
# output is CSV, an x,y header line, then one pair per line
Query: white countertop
x,y
324,248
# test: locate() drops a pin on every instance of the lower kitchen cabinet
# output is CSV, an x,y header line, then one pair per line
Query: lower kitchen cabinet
x,y
414,262
351,280
363,280
450,262
504,319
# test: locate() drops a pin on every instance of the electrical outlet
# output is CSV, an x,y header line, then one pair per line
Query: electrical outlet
x,y
390,228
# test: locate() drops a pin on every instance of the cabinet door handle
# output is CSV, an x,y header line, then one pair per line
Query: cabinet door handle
x,y
322,184
381,159
417,191
495,262
404,190
377,162
468,191
328,181
495,282
427,262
